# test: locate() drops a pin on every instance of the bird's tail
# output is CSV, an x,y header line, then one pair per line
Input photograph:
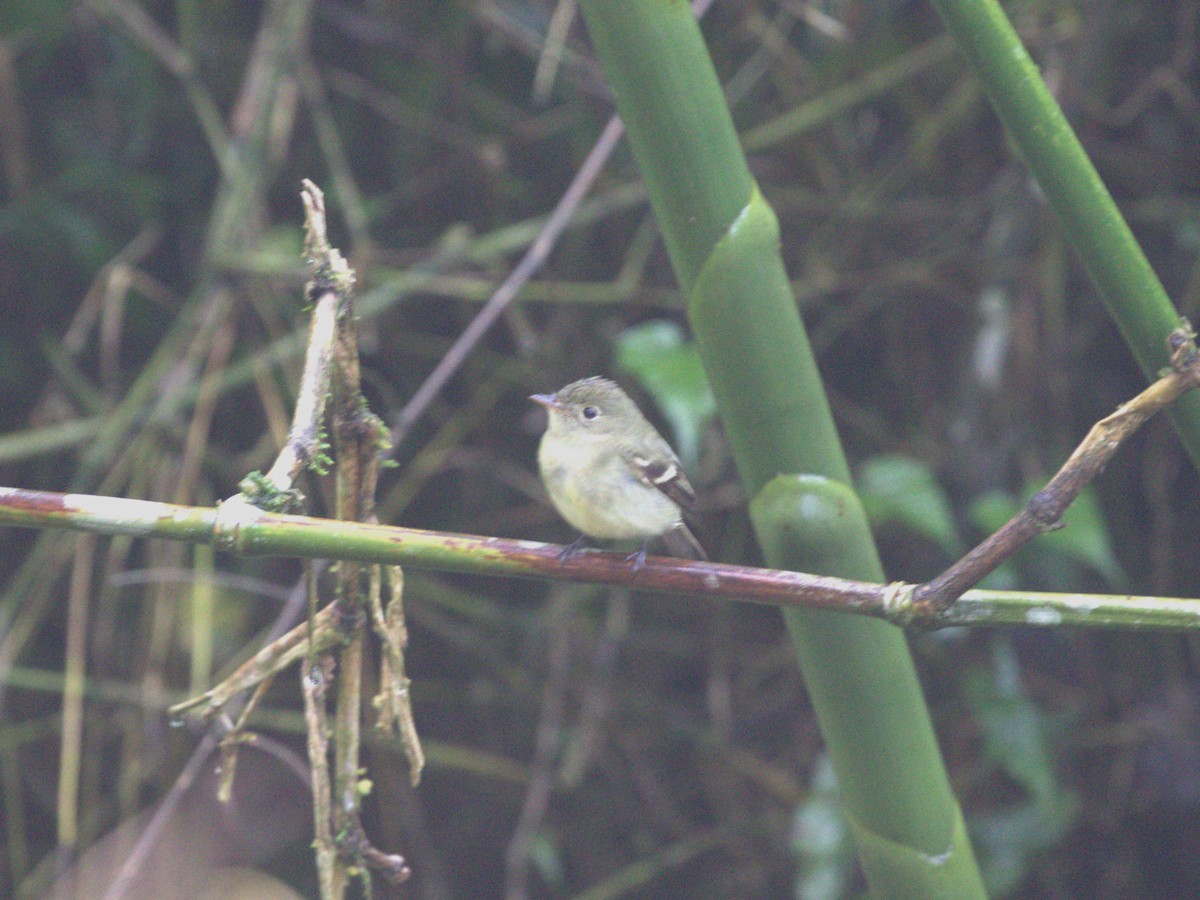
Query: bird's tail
x,y
682,543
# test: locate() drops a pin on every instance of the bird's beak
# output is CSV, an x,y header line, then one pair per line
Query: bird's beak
x,y
550,401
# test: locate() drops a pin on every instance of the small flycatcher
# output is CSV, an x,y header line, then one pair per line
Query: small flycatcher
x,y
610,474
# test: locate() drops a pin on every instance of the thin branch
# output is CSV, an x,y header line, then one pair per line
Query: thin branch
x,y
394,700
243,529
253,532
1045,510
534,258
74,678
314,683
279,654
332,279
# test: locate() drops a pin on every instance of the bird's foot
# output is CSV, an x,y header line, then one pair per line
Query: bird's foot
x,y
638,557
572,548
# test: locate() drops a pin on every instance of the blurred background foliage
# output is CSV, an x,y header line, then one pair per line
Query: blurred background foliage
x,y
582,742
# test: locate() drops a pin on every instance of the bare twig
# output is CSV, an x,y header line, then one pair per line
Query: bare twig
x,y
331,371
272,659
547,749
394,700
533,260
74,678
356,439
1045,510
332,280
314,682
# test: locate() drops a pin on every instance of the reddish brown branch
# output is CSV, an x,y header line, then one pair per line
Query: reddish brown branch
x,y
1045,510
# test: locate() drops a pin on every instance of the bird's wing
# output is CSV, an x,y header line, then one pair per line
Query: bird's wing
x,y
666,474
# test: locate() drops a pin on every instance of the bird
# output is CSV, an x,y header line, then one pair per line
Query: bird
x,y
609,472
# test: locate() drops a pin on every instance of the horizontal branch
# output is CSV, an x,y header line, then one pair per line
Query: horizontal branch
x,y
237,527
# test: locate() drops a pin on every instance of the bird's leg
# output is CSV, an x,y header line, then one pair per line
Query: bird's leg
x,y
572,548
638,557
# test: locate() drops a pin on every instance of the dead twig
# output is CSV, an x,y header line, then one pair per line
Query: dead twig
x,y
1045,510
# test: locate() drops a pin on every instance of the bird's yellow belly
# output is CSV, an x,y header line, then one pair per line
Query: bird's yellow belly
x,y
617,508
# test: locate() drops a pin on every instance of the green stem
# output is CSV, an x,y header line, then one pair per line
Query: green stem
x,y
723,240
1131,292
253,532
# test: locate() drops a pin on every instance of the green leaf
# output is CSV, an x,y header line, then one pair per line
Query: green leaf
x,y
1014,731
723,239
1083,539
1013,727
668,366
546,857
1009,839
899,490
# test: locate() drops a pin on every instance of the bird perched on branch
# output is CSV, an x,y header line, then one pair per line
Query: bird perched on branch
x,y
610,474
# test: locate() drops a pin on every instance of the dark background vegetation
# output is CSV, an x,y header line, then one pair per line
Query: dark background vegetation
x,y
965,353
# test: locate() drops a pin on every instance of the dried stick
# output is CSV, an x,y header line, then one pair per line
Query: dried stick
x,y
1045,510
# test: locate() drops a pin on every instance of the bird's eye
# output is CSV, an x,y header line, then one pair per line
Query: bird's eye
x,y
590,412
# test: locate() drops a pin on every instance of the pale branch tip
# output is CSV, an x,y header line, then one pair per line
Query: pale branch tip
x,y
316,244
1181,344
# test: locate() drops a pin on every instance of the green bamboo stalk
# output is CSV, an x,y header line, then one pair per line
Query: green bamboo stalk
x,y
724,244
1131,292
